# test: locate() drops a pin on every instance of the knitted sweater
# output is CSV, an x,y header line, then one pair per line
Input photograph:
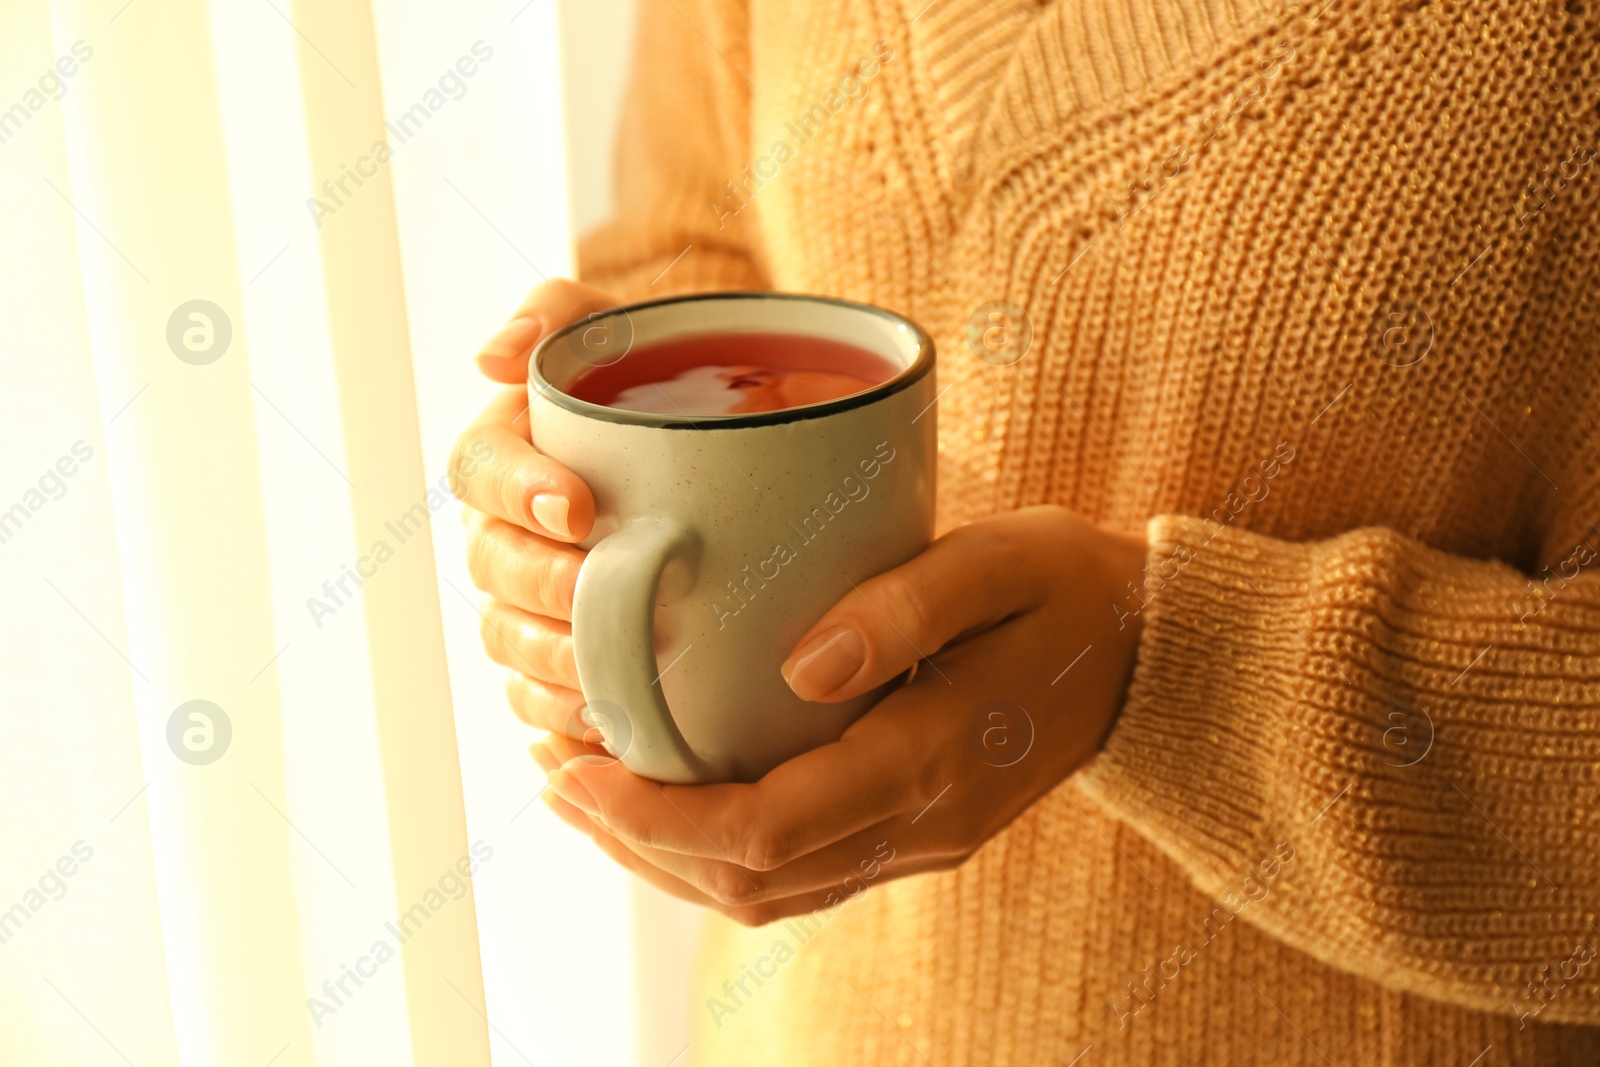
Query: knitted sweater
x,y
1312,297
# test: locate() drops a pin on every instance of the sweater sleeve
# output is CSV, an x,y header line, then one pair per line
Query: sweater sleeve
x,y
684,133
1419,732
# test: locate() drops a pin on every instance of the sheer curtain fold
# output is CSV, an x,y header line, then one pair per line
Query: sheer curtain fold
x,y
79,938
234,724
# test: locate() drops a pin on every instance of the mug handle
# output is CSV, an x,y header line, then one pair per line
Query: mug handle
x,y
613,637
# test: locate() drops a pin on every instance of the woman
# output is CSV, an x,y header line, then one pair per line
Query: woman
x,y
1274,539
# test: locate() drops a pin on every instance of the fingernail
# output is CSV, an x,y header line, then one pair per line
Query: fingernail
x,y
568,788
543,758
825,662
550,511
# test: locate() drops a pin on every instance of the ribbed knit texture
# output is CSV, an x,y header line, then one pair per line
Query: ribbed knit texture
x,y
1336,665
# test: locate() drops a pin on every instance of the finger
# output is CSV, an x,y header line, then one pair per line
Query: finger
x,y
966,580
504,357
817,902
547,759
844,868
550,306
819,797
543,758
522,569
496,470
549,707
529,644
748,915
609,845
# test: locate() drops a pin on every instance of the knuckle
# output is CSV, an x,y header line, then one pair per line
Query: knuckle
x,y
514,496
906,599
477,562
463,464
561,663
537,652
493,639
517,696
642,834
555,579
927,782
763,848
727,884
457,450
1009,542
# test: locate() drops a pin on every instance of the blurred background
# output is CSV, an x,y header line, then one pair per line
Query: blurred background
x,y
264,801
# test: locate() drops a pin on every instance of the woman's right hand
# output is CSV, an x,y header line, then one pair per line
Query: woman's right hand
x,y
523,512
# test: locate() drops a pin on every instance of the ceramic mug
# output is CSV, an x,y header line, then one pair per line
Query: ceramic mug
x,y
719,540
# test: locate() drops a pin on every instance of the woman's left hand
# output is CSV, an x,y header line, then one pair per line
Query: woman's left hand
x,y
1023,622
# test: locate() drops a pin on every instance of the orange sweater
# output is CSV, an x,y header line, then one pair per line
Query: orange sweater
x,y
1313,294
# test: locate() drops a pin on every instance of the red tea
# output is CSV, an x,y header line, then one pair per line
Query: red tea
x,y
732,374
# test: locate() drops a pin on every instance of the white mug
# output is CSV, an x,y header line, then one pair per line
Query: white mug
x,y
719,540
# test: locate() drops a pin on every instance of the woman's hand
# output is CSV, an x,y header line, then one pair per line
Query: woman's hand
x,y
1027,664
523,512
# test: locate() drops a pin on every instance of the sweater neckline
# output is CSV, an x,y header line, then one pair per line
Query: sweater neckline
x,y
998,70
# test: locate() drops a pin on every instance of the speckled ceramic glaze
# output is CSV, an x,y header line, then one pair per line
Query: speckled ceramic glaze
x,y
719,540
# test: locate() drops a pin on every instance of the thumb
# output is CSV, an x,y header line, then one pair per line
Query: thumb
x,y
964,581
550,306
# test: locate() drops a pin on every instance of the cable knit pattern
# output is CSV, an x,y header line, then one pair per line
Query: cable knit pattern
x,y
1313,298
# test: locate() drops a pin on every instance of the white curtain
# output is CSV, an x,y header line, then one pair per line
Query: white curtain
x,y
251,749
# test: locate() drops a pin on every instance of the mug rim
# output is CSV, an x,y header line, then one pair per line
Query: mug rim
x,y
907,377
